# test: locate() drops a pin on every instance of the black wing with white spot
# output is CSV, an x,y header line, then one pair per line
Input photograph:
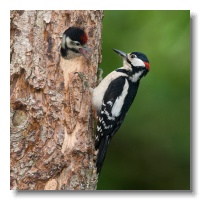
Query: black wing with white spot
x,y
111,115
106,120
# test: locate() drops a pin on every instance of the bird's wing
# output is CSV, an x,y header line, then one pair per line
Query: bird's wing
x,y
111,116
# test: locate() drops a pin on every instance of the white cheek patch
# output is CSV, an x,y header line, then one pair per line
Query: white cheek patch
x,y
69,42
137,62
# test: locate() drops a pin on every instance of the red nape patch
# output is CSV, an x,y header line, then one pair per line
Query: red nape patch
x,y
84,38
147,65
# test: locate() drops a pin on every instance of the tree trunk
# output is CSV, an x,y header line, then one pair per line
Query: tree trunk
x,y
52,120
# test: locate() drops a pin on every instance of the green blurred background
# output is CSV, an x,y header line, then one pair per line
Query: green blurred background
x,y
151,150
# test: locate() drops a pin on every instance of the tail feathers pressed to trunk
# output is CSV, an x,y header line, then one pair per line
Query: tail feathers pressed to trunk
x,y
102,152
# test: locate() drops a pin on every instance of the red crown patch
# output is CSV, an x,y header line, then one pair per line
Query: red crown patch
x,y
84,38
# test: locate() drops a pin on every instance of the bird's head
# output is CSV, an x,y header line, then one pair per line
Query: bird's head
x,y
135,61
74,43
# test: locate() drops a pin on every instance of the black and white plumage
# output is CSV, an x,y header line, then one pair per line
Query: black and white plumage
x,y
113,97
73,43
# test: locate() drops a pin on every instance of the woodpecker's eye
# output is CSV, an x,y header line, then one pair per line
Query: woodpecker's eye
x,y
133,56
77,44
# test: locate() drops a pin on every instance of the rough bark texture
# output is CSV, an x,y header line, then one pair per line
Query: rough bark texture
x,y
52,120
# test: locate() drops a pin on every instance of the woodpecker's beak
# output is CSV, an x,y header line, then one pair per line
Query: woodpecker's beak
x,y
85,51
121,53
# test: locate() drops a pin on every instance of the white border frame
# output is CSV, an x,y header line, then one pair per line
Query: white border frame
x,y
99,5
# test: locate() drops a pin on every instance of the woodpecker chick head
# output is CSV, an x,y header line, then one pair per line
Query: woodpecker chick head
x,y
74,43
135,61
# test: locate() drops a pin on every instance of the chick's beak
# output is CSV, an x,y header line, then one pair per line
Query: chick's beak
x,y
85,51
121,53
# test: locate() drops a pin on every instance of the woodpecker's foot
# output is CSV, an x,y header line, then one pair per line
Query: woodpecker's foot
x,y
95,155
100,73
85,83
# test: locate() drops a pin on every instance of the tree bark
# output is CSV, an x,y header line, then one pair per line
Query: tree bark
x,y
52,120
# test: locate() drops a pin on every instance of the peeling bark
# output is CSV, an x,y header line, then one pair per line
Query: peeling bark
x,y
52,120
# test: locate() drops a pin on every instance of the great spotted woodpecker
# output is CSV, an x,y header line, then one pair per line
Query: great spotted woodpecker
x,y
74,43
113,97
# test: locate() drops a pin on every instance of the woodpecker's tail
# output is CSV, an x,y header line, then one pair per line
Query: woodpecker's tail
x,y
102,152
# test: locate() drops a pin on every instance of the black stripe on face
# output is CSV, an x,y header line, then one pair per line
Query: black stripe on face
x,y
74,50
128,61
137,69
124,71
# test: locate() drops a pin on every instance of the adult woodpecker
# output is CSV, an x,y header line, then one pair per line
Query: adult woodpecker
x,y
113,97
74,43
